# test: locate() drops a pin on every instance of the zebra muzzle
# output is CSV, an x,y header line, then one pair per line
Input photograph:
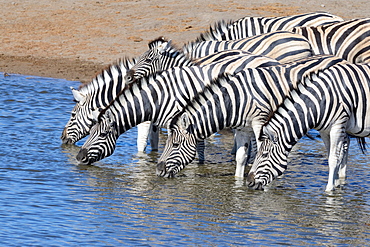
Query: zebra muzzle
x,y
82,155
129,77
162,170
65,139
250,177
252,182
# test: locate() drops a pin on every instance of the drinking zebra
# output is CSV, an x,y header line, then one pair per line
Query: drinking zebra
x,y
155,98
335,101
244,99
349,40
251,26
281,45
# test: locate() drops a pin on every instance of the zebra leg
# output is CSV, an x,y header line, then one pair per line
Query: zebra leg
x,y
325,136
343,164
142,136
242,140
338,148
154,137
233,151
252,150
200,151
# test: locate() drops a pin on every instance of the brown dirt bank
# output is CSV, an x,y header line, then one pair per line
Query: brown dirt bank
x,y
75,39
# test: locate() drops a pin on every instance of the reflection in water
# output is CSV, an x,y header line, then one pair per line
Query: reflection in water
x,y
48,199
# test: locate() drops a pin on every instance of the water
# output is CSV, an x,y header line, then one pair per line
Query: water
x,y
47,199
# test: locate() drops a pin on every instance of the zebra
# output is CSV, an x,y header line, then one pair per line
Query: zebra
x,y
251,26
334,101
348,39
244,99
281,45
154,98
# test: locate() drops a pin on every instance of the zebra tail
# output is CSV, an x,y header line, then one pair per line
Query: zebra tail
x,y
362,144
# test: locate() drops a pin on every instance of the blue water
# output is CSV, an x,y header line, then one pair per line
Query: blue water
x,y
47,199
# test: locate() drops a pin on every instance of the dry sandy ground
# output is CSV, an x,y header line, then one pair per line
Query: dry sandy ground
x,y
75,39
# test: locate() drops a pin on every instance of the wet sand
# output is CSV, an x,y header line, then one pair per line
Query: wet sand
x,y
74,40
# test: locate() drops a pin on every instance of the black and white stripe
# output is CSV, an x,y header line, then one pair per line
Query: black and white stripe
x,y
156,98
281,45
251,26
244,100
349,40
335,102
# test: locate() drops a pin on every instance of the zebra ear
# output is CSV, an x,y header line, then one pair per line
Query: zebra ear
x,y
79,97
164,47
95,114
184,121
108,114
267,134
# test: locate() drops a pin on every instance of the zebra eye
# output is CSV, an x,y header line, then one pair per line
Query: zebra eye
x,y
103,134
148,60
176,145
265,154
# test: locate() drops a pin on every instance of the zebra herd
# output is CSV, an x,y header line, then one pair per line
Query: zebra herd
x,y
270,79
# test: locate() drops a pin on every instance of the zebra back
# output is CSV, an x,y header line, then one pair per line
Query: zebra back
x,y
251,26
96,94
348,39
334,102
282,46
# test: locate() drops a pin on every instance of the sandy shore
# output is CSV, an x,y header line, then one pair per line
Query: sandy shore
x,y
76,39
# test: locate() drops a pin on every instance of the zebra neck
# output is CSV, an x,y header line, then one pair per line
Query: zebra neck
x,y
292,120
157,98
212,113
106,86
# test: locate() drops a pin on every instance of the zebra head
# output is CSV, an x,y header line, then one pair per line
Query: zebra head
x,y
98,93
180,147
270,161
80,122
102,140
151,61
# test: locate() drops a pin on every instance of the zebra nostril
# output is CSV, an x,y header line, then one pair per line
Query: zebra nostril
x,y
81,154
161,166
64,136
129,77
67,141
250,177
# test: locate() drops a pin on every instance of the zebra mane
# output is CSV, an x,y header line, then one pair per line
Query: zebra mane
x,y
173,49
127,87
124,62
215,32
153,43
